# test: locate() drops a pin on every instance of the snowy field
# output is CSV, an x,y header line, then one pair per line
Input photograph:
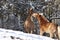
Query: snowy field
x,y
6,34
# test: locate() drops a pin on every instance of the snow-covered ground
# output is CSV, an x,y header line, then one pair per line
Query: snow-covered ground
x,y
6,34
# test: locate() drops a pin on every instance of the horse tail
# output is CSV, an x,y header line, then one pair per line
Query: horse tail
x,y
57,31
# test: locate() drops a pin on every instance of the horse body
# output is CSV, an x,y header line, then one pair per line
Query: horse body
x,y
59,32
45,25
28,24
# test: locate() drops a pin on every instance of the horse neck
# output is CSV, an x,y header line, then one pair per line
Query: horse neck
x,y
41,20
29,18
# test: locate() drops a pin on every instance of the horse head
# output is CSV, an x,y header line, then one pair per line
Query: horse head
x,y
37,14
30,11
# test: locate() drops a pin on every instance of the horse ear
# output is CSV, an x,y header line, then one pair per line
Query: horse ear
x,y
30,10
40,13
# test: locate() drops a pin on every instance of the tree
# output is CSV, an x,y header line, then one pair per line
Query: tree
x,y
48,11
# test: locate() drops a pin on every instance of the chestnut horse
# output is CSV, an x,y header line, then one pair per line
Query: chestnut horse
x,y
28,24
45,25
59,32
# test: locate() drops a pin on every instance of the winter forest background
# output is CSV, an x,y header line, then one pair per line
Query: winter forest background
x,y
13,13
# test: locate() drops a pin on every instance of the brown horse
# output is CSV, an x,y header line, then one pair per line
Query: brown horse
x,y
45,25
28,24
59,32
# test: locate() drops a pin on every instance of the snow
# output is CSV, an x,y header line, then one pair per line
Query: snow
x,y
6,34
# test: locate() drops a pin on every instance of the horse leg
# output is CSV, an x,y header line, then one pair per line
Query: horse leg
x,y
41,32
31,31
57,36
51,35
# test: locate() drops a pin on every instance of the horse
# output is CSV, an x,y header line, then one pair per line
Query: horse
x,y
29,24
59,32
45,25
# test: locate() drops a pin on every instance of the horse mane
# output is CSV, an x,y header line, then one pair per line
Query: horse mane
x,y
43,18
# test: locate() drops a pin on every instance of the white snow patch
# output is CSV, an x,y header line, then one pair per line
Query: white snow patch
x,y
6,35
